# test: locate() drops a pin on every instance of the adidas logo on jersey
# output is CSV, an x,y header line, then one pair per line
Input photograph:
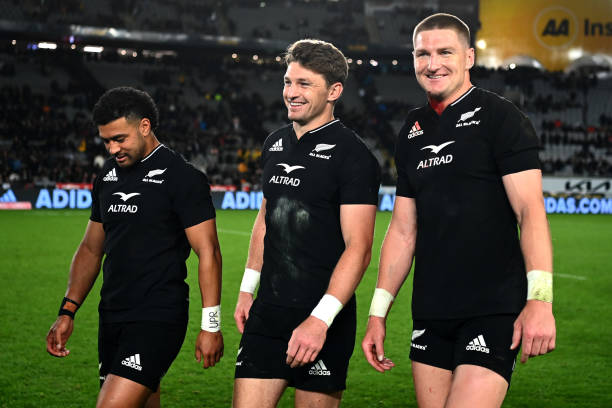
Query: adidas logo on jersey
x,y
111,176
133,361
277,146
319,369
415,130
478,344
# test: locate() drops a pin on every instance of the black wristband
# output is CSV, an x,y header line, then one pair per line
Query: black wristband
x,y
67,312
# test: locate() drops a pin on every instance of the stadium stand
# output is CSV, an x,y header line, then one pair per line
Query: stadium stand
x,y
217,109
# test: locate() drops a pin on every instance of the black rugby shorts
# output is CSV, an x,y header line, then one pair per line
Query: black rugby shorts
x,y
262,352
139,351
483,341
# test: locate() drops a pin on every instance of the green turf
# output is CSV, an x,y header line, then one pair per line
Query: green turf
x,y
37,247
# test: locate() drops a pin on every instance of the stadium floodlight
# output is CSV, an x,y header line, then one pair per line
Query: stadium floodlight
x,y
73,47
359,62
234,56
512,66
574,53
481,44
255,57
394,62
373,63
349,60
93,48
14,42
47,45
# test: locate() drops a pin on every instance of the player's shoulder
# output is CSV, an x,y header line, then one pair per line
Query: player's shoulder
x,y
495,102
350,141
276,135
412,117
177,165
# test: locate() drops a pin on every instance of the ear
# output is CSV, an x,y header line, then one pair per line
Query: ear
x,y
470,57
144,127
334,92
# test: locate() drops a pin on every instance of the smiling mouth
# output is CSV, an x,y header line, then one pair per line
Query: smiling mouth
x,y
435,76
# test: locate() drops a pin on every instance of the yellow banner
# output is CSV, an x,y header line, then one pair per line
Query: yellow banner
x,y
553,32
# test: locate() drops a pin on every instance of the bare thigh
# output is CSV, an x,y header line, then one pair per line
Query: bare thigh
x,y
431,384
476,386
121,392
258,392
312,399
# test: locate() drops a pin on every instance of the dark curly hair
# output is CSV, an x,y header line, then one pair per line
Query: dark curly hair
x,y
125,102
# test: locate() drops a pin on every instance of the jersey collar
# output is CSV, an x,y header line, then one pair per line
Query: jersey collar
x,y
451,106
152,153
462,97
295,139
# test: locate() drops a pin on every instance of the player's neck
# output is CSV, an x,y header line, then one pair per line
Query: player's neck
x,y
300,130
151,145
439,105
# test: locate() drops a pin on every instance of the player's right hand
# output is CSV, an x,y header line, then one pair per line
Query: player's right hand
x,y
243,306
58,335
372,345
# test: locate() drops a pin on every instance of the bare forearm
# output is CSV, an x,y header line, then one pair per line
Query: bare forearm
x,y
256,245
349,271
209,275
396,258
84,270
536,242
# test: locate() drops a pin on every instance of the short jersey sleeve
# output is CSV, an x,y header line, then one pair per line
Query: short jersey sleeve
x,y
95,200
359,177
515,145
403,186
191,197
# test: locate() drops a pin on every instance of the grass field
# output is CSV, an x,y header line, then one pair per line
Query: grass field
x,y
35,254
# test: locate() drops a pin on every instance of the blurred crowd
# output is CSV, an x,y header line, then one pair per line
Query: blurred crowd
x,y
46,134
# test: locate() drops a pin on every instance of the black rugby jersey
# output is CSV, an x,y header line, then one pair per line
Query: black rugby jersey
x,y
468,261
304,182
144,210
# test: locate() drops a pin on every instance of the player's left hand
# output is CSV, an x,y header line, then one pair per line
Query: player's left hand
x,y
536,326
209,348
306,341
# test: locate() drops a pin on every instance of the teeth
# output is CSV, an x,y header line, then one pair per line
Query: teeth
x,y
435,76
295,103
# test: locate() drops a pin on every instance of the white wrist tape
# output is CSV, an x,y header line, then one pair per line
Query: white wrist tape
x,y
380,302
211,318
540,286
250,280
327,309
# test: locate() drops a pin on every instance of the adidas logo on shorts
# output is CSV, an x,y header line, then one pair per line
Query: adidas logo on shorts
x,y
277,146
478,344
319,369
133,361
111,176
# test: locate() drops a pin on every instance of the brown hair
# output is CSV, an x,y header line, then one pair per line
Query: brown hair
x,y
442,21
321,57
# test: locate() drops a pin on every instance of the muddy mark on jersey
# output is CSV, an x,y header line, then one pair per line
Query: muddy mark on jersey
x,y
290,220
